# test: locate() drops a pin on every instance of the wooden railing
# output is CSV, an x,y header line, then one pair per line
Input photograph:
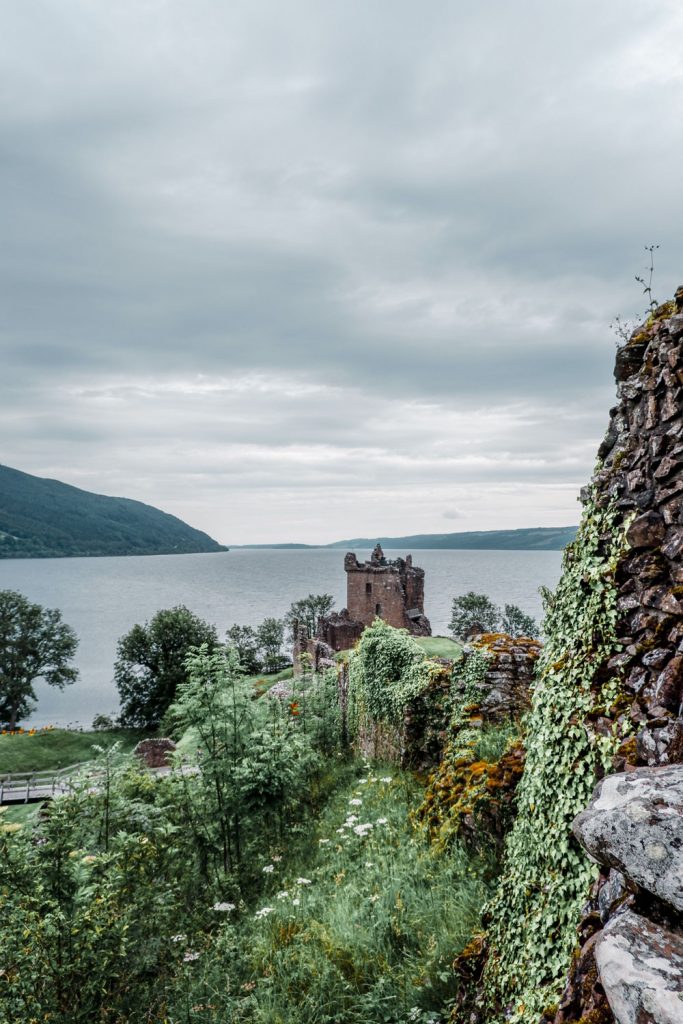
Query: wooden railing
x,y
27,787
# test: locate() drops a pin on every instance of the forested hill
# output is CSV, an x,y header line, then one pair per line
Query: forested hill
x,y
42,518
540,538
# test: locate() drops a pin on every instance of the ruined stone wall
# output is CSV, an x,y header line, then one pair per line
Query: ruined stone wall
x,y
630,963
606,709
389,590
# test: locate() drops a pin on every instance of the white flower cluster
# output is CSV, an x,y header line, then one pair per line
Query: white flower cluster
x,y
356,802
224,908
268,869
263,912
362,830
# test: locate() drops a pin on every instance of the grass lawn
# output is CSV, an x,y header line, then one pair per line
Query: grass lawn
x,y
58,748
439,646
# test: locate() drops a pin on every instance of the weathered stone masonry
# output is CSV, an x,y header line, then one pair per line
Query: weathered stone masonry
x,y
630,964
386,589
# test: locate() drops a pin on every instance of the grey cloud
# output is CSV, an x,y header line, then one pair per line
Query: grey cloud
x,y
411,215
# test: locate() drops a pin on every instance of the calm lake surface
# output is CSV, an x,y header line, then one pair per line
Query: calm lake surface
x,y
101,598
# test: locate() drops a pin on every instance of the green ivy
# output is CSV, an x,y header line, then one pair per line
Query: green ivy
x,y
386,671
546,875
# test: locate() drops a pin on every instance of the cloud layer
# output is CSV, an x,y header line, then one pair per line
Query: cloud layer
x,y
300,271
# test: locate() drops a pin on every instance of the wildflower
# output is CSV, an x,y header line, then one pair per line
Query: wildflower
x,y
224,908
303,881
381,821
268,869
362,782
282,895
276,857
387,779
89,859
341,830
191,954
374,897
324,842
351,819
263,912
356,802
178,938
296,901
369,864
362,830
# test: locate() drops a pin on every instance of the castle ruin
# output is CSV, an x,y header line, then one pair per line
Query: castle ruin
x,y
392,590
388,589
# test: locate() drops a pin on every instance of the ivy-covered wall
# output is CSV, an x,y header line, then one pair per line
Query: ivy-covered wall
x,y
607,697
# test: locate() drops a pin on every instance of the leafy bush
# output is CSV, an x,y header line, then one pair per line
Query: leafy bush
x,y
477,612
150,663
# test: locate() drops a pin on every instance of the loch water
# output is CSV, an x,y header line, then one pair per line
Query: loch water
x,y
101,598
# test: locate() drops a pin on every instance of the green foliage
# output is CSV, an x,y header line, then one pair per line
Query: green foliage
x,y
34,644
477,611
48,519
150,663
386,670
546,877
515,622
473,611
270,636
308,611
243,640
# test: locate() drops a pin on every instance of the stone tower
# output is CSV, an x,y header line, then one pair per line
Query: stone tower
x,y
392,590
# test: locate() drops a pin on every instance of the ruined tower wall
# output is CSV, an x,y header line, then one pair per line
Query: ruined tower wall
x,y
375,592
389,590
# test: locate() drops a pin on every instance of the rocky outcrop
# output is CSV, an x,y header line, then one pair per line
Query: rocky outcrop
x,y
505,688
635,824
155,753
640,965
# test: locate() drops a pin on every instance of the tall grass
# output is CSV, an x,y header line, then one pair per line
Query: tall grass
x,y
360,923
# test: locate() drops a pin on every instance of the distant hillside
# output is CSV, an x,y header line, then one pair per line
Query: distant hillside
x,y
539,538
48,519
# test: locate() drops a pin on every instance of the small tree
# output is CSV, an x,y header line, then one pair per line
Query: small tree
x,y
518,623
473,610
150,663
244,640
270,637
308,612
34,644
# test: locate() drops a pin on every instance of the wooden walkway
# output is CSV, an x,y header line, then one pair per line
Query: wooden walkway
x,y
32,787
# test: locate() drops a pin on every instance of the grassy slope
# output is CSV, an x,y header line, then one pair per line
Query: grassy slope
x,y
58,748
375,932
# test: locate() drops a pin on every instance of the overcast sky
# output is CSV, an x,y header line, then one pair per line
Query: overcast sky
x,y
299,271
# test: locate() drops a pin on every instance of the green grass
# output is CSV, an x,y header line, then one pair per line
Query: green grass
x,y
58,748
263,682
20,814
355,929
439,646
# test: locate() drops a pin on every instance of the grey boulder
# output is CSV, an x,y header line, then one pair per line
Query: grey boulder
x,y
641,970
634,823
